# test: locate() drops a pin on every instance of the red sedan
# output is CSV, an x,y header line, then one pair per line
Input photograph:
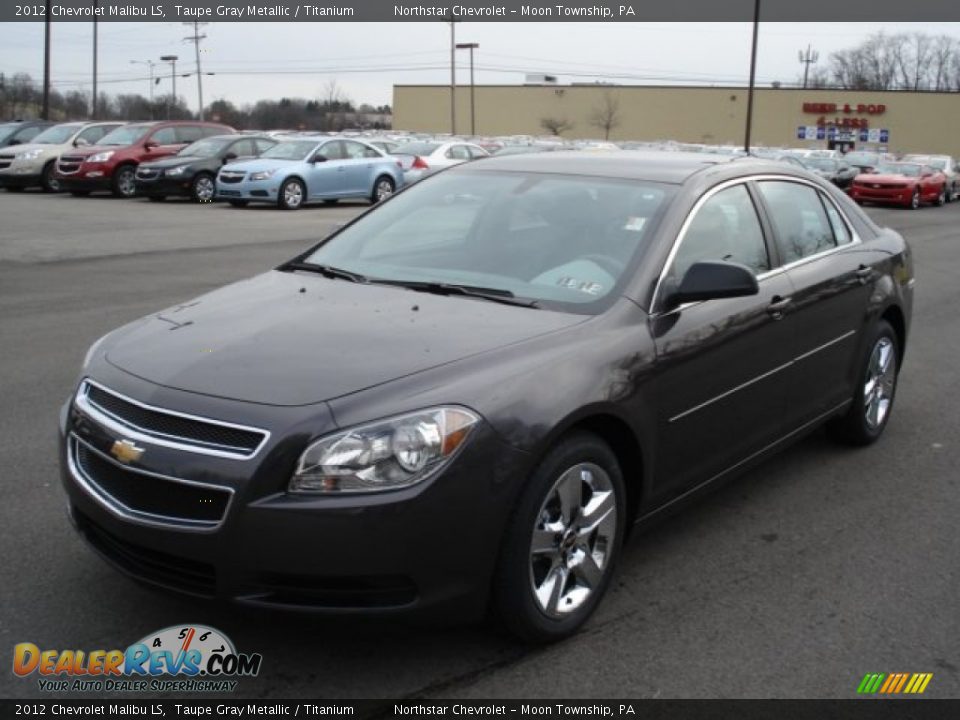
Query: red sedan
x,y
901,183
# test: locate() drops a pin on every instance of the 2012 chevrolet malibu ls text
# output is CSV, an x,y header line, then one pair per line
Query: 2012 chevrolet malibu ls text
x,y
467,396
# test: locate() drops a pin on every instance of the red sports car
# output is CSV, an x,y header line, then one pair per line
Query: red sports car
x,y
901,183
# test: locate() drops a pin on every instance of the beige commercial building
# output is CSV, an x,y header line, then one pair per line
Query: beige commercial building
x,y
898,121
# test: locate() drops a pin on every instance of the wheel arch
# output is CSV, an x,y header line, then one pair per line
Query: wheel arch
x,y
893,314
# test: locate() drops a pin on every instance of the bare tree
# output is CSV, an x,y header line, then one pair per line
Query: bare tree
x,y
556,126
942,55
606,116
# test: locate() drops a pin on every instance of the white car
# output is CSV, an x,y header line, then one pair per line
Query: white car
x,y
945,164
419,159
32,165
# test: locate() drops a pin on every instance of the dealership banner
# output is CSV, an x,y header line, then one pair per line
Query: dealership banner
x,y
503,11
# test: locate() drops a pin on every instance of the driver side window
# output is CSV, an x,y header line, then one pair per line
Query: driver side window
x,y
725,229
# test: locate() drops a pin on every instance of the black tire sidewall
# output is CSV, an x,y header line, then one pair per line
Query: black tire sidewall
x,y
45,177
116,180
281,196
513,599
193,187
376,183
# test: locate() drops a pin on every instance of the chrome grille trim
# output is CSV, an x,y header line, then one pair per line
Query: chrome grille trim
x,y
135,432
117,508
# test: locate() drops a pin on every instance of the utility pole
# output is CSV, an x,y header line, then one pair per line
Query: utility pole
x,y
149,64
172,59
195,39
753,75
808,58
453,76
93,105
46,63
473,112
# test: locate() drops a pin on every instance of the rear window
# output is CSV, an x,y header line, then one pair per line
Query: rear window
x,y
416,149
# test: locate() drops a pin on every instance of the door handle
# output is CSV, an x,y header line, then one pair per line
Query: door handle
x,y
777,306
864,273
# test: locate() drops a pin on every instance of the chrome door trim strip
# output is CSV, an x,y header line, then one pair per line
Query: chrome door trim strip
x,y
745,460
118,509
825,345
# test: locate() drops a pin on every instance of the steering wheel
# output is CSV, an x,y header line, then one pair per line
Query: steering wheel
x,y
607,262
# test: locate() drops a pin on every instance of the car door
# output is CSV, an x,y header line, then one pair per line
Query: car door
x,y
723,366
161,143
358,178
831,272
92,135
324,178
240,150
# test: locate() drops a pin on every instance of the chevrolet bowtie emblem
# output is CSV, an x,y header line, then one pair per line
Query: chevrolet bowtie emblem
x,y
125,451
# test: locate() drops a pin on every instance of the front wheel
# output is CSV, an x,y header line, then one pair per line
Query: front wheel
x,y
292,194
124,181
942,197
48,179
876,387
382,189
914,200
203,188
563,541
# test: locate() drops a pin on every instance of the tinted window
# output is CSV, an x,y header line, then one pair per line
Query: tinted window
x,y
801,224
187,134
263,144
92,135
125,135
458,152
57,135
476,152
6,130
725,228
165,136
841,232
243,148
28,134
354,150
291,150
333,151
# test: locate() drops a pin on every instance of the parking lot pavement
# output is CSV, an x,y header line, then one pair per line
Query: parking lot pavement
x,y
792,581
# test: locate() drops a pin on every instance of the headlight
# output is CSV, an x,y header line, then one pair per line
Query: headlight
x,y
176,171
262,175
29,154
385,455
101,156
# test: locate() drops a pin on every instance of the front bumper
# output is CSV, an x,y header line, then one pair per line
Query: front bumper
x,y
893,196
431,548
249,190
23,173
162,185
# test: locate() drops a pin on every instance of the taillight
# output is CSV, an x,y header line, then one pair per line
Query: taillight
x,y
419,164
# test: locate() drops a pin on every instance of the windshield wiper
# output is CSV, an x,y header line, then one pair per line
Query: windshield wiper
x,y
326,270
498,295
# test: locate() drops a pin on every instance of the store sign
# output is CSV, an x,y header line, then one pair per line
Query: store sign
x,y
840,134
844,115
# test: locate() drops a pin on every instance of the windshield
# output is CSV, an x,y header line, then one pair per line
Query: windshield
x,y
126,135
862,158
57,135
291,150
560,239
907,169
938,163
205,148
416,149
7,129
821,164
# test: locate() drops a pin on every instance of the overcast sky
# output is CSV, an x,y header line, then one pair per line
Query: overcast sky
x,y
271,60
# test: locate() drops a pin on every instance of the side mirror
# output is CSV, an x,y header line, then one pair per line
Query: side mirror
x,y
318,158
150,145
714,280
15,142
229,157
81,142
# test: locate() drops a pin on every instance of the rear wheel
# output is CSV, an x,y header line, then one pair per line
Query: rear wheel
x,y
562,543
124,181
48,178
876,387
382,189
203,188
291,195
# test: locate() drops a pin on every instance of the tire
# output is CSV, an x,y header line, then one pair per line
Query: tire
x,y
124,183
942,197
914,200
526,594
48,178
156,198
875,391
239,203
292,194
203,188
383,188
80,193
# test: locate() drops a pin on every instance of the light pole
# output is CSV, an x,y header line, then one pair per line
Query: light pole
x,y
196,38
149,64
172,59
753,74
93,105
453,76
473,111
46,63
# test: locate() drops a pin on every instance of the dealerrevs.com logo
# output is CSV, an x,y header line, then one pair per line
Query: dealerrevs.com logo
x,y
181,658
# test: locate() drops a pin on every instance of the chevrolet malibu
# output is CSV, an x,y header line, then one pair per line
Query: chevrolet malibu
x,y
300,170
467,397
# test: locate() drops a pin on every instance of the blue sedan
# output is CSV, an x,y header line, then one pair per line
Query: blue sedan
x,y
304,169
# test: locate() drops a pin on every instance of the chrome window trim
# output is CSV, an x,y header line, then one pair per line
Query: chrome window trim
x,y
117,425
118,509
855,237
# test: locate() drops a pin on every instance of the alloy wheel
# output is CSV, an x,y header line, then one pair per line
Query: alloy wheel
x,y
880,381
573,540
915,200
50,181
292,195
204,188
126,183
384,189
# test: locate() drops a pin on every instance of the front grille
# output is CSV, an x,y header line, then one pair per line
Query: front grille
x,y
230,177
5,161
230,193
191,433
69,164
146,496
146,174
173,572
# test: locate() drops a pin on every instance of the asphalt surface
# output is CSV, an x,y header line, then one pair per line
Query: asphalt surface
x,y
792,581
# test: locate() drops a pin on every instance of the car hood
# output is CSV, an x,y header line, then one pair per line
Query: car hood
x,y
261,164
886,178
297,339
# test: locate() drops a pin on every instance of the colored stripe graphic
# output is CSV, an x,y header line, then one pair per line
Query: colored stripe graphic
x,y
894,683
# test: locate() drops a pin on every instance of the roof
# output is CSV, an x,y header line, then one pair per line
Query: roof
x,y
653,166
